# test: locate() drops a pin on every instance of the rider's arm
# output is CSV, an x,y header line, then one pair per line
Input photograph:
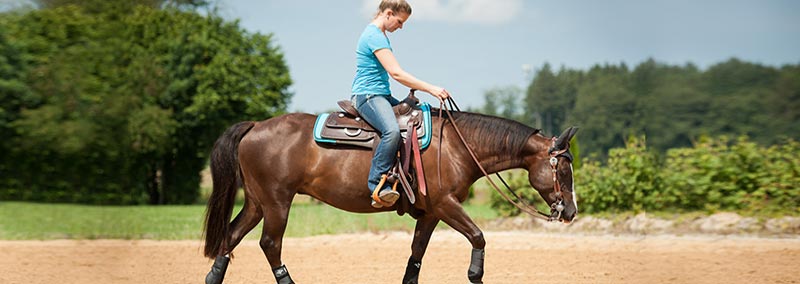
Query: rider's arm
x,y
389,62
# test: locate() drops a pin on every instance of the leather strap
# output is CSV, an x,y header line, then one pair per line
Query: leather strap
x,y
406,187
423,188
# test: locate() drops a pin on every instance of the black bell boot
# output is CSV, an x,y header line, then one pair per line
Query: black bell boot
x,y
282,275
218,270
475,272
412,272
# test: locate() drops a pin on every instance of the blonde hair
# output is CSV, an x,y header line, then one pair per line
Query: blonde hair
x,y
398,6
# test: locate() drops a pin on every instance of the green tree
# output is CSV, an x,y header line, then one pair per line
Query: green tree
x,y
740,94
550,99
210,79
503,102
125,103
603,108
538,100
786,103
669,104
14,95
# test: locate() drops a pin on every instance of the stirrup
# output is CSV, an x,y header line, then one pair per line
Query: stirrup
x,y
376,193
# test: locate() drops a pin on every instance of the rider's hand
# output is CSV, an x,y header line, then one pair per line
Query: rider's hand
x,y
439,92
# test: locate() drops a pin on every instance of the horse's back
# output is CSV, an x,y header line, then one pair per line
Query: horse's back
x,y
276,141
280,154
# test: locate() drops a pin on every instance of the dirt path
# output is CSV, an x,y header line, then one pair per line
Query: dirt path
x,y
511,257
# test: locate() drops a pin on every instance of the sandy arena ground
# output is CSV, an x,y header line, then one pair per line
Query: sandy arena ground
x,y
511,257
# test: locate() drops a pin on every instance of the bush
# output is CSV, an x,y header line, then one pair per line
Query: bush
x,y
716,174
628,182
517,180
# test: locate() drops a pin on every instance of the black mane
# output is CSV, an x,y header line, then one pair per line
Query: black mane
x,y
505,136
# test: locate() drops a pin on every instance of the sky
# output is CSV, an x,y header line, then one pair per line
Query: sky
x,y
471,46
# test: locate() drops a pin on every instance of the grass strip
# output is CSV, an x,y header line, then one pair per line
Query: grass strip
x,y
37,221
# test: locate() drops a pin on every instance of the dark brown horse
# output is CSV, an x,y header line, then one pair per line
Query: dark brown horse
x,y
278,158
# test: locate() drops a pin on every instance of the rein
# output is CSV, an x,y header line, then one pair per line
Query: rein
x,y
521,204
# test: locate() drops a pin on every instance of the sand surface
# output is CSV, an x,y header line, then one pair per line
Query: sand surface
x,y
511,257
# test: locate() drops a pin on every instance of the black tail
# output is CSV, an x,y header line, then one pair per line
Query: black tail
x,y
224,174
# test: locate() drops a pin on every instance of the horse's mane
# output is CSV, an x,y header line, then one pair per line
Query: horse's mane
x,y
506,136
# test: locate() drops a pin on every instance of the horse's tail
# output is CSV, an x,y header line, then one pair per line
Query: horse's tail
x,y
225,174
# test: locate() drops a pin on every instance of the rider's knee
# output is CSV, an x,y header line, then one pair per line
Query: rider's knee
x,y
392,134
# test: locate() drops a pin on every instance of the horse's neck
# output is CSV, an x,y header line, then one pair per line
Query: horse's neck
x,y
494,162
492,140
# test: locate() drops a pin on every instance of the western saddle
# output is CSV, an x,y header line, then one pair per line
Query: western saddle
x,y
348,128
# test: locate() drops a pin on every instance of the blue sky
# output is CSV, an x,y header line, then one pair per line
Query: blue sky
x,y
470,46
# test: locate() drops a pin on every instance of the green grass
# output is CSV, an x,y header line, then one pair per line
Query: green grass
x,y
35,221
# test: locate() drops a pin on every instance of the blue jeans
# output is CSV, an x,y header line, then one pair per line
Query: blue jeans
x,y
377,111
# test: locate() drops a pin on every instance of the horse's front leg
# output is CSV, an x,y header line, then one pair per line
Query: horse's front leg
x,y
422,235
450,211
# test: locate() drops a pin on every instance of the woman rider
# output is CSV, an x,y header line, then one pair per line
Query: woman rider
x,y
371,95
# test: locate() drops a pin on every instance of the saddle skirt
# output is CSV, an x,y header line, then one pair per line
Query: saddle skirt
x,y
344,128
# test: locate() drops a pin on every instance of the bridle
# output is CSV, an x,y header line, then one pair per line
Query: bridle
x,y
556,208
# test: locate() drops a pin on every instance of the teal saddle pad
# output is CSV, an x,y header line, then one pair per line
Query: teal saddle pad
x,y
342,129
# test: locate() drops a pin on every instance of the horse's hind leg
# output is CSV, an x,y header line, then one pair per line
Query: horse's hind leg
x,y
422,235
241,225
451,212
275,218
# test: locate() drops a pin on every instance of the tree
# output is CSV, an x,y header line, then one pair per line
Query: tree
x,y
540,93
603,109
740,95
125,102
14,94
551,98
786,103
669,104
503,102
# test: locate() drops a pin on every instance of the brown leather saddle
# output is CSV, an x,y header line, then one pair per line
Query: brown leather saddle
x,y
346,127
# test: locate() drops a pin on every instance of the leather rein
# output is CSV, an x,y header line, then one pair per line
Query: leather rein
x,y
556,208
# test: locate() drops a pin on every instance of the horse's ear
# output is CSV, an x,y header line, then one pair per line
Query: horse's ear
x,y
563,140
572,131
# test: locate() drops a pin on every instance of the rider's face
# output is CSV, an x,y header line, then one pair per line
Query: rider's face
x,y
395,21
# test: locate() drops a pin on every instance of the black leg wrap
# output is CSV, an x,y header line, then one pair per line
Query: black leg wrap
x,y
218,270
282,275
412,272
475,272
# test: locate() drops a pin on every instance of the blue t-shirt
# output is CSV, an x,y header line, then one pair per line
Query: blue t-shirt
x,y
371,77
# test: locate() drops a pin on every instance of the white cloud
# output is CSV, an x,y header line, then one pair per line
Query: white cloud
x,y
463,11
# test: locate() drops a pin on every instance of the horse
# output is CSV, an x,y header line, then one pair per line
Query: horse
x,y
276,159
